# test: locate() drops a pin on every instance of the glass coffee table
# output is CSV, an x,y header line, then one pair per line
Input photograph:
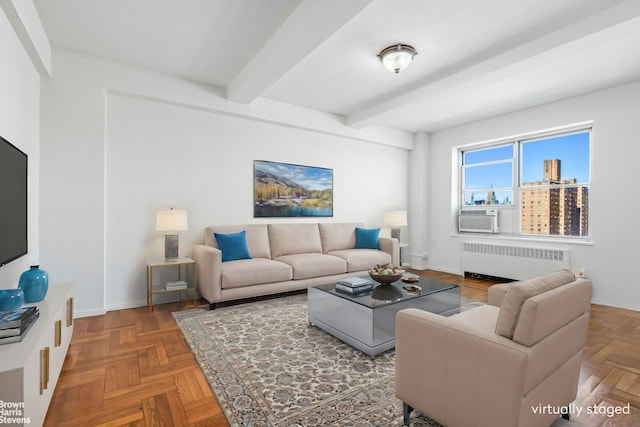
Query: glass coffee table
x,y
368,321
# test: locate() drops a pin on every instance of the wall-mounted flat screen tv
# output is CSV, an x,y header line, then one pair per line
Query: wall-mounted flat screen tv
x,y
13,202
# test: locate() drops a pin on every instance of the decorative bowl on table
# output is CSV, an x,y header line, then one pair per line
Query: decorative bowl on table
x,y
10,299
386,273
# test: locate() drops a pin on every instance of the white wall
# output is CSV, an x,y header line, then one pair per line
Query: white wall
x,y
418,237
610,261
19,124
120,142
110,132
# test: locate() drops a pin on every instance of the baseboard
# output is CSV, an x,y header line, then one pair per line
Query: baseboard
x,y
126,305
77,314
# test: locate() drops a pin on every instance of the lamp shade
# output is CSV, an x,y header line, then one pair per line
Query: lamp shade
x,y
395,218
171,220
397,57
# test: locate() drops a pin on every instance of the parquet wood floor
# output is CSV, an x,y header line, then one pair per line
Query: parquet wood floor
x,y
133,368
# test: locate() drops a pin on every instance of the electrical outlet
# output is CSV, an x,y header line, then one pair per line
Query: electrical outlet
x,y
424,256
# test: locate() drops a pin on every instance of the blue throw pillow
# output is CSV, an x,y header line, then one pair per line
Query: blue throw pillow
x,y
233,245
367,238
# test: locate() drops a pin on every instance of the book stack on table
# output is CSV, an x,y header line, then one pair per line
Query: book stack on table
x,y
354,285
14,324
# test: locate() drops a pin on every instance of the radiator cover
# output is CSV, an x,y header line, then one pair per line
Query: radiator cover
x,y
512,261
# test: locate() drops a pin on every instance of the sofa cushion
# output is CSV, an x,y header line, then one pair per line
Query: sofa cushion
x,y
257,237
247,272
290,239
519,292
314,265
337,236
233,245
367,238
362,259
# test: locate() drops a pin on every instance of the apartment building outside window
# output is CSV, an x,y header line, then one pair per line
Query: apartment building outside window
x,y
546,177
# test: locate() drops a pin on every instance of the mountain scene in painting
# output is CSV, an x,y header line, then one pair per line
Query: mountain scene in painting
x,y
283,189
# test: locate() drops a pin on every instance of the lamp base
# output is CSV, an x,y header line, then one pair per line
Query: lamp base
x,y
171,246
395,233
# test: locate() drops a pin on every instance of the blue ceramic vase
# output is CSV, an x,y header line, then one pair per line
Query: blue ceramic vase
x,y
11,298
35,283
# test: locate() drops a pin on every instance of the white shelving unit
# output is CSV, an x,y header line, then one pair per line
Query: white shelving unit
x,y
29,369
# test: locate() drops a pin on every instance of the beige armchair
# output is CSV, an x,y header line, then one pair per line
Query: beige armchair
x,y
512,363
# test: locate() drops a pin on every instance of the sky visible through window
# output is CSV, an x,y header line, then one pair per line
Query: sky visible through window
x,y
548,176
572,150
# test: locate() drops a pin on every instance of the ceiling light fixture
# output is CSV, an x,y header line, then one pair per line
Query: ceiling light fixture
x,y
397,57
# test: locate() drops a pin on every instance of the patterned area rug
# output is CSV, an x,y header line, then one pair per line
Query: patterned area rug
x,y
268,367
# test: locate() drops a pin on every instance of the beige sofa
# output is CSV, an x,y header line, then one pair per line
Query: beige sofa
x,y
285,257
498,365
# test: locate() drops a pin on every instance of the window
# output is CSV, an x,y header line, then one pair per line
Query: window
x,y
488,176
545,177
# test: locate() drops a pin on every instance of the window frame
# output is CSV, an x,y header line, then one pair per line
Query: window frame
x,y
464,167
517,142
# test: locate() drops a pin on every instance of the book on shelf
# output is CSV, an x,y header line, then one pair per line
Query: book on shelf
x,y
17,330
178,284
21,331
355,282
353,290
16,317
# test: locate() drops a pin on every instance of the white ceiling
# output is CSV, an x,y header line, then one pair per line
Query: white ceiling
x,y
476,58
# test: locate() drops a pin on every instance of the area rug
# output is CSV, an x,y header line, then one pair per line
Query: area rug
x,y
267,366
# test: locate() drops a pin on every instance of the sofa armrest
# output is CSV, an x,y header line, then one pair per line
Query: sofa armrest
x,y
390,246
456,369
208,272
495,293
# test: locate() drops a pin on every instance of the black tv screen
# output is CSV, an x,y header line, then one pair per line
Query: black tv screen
x,y
13,202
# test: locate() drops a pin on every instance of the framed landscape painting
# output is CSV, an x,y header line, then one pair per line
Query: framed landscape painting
x,y
287,190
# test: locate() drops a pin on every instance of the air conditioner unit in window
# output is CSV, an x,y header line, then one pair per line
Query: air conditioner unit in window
x,y
478,220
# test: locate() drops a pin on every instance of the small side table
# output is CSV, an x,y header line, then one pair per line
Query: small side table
x,y
171,262
400,247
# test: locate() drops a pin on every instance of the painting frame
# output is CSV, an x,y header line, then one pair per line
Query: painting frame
x,y
289,190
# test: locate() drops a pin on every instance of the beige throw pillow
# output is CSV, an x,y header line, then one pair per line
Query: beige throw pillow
x,y
519,292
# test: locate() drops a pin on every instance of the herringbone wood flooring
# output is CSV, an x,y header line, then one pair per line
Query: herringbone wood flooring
x,y
133,368
610,374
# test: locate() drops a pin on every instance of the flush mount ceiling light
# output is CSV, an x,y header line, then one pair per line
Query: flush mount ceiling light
x,y
397,57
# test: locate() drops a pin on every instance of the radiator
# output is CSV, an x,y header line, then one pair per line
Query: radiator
x,y
512,262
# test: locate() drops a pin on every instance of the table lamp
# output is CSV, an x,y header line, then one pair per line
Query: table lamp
x,y
395,220
171,220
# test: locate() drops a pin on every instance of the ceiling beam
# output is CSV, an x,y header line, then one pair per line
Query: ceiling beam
x,y
495,69
26,23
308,26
